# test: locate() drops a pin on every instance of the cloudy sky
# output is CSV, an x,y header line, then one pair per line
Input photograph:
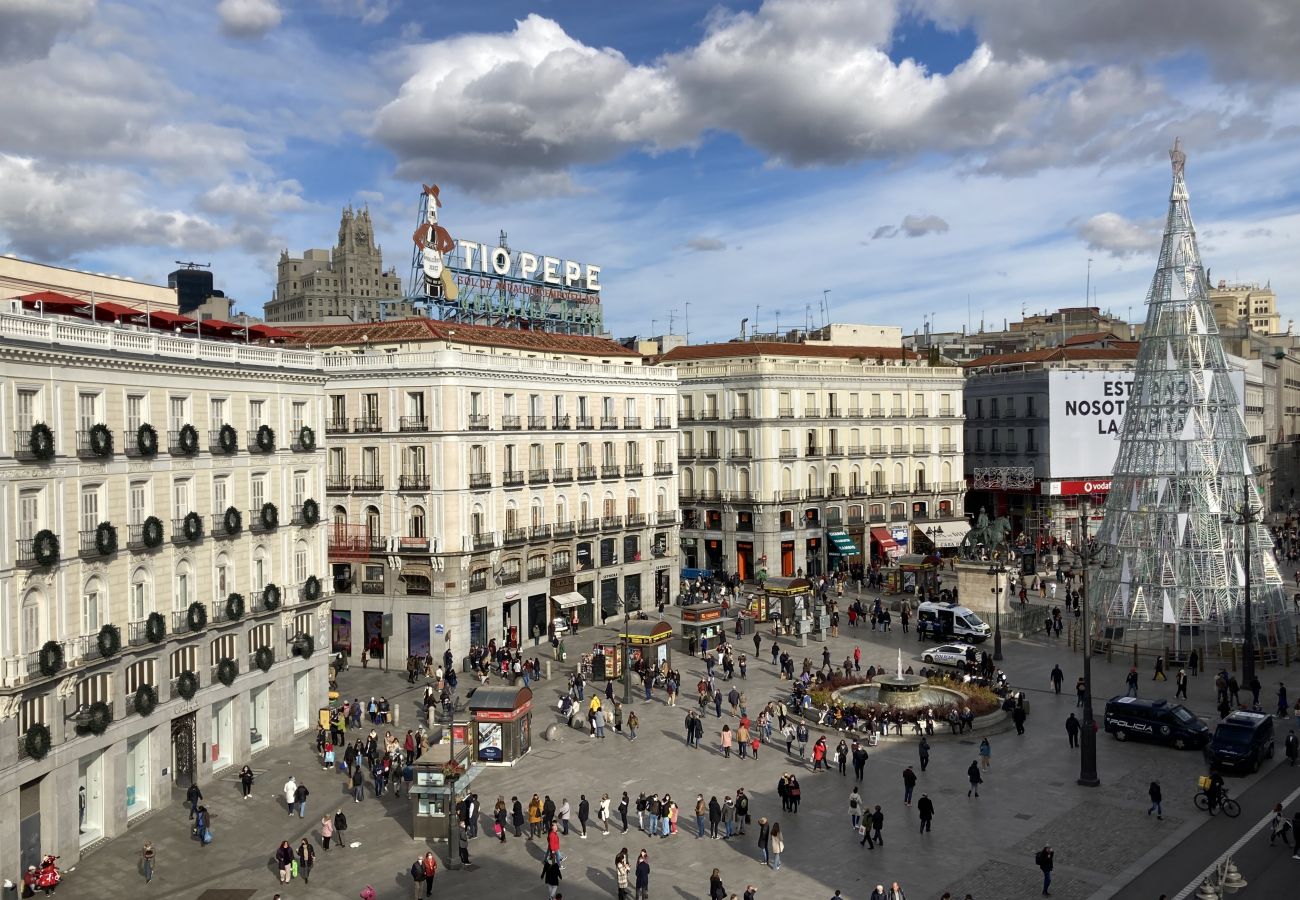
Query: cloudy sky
x,y
912,158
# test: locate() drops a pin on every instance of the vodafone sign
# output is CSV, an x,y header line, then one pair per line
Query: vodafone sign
x,y
1074,488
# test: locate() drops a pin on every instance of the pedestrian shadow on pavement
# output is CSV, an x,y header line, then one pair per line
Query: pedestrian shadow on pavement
x,y
685,896
600,877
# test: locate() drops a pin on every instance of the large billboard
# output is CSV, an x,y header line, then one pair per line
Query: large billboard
x,y
1087,414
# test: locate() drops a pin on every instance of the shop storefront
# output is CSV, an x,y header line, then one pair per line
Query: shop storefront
x,y
341,631
417,634
883,546
843,552
137,775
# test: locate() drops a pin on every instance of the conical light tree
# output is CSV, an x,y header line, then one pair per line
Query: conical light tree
x,y
1182,544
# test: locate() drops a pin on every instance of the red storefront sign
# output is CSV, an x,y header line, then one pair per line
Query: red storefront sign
x,y
1074,488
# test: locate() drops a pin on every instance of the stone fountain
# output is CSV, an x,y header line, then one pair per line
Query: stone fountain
x,y
899,691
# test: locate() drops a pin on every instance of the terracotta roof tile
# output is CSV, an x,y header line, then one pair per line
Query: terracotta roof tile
x,y
733,349
419,329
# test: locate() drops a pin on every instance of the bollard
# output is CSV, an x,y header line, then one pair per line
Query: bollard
x,y
548,669
1110,652
395,710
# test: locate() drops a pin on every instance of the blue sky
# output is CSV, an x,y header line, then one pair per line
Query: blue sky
x,y
914,158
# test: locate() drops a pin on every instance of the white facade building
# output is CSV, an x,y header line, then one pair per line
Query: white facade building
x,y
156,494
484,481
799,458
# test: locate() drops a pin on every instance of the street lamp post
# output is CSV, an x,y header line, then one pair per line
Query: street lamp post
x,y
998,570
1088,746
1246,517
627,654
453,817
932,533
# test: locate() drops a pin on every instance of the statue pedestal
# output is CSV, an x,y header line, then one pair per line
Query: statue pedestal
x,y
974,587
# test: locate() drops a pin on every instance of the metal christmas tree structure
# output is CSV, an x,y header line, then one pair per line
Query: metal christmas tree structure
x,y
1182,542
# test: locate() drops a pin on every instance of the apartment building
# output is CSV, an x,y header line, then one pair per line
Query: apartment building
x,y
163,605
802,458
483,481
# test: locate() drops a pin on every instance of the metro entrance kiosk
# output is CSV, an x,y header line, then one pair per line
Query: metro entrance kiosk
x,y
700,621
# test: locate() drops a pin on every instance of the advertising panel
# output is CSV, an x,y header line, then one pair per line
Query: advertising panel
x,y
1086,412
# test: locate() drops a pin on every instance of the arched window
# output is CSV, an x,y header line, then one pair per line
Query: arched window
x,y
261,569
661,500
223,580
711,480
141,600
94,603
184,587
920,478
787,480
947,472
813,483
584,508
608,505
374,531
536,514
900,477
512,515
415,527
561,510
688,480
633,503
742,481
855,479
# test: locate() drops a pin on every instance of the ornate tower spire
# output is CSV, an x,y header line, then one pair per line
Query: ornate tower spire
x,y
1175,550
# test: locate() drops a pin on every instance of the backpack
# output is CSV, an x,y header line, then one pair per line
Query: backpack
x,y
1040,858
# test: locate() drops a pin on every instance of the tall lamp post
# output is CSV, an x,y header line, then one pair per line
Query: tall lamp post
x,y
1246,517
1088,747
627,653
998,570
453,815
932,533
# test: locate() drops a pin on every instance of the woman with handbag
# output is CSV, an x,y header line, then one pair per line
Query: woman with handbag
x,y
306,859
284,861
716,890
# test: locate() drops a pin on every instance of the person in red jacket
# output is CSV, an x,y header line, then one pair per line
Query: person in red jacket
x,y
553,844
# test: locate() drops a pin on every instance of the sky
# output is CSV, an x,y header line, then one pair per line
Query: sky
x,y
899,161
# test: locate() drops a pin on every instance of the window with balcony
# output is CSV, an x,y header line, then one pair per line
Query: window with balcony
x,y
92,599
338,420
297,417
415,524
256,414
220,494
28,411
257,491
178,412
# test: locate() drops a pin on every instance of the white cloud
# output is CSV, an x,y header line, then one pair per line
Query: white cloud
x,y
913,225
29,28
1111,233
250,201
702,244
53,212
249,18
369,12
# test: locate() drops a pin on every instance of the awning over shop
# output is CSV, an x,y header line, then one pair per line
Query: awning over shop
x,y
885,539
569,600
843,543
947,534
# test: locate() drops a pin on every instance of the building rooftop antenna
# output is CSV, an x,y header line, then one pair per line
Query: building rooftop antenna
x,y
194,265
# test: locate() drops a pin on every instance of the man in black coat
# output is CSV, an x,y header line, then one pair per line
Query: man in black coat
x,y
925,810
1072,728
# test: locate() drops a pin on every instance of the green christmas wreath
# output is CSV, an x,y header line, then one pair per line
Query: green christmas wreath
x,y
45,547
264,658
196,616
50,659
311,589
101,440
109,640
189,440
99,717
307,438
41,441
233,520
270,516
105,539
155,628
310,512
192,526
303,645
271,597
228,439
37,741
265,438
151,532
187,685
226,671
146,699
146,440
235,607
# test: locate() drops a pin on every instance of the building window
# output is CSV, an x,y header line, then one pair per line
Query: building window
x,y
139,596
28,412
91,603
416,526
135,414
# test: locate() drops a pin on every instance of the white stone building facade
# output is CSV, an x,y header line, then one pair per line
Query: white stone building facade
x,y
121,452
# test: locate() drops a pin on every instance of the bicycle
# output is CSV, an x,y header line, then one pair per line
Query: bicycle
x,y
1230,807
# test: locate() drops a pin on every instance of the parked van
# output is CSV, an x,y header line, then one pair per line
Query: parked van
x,y
1242,741
1155,720
943,621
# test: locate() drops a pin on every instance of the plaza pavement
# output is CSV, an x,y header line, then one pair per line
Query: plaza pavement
x,y
1102,836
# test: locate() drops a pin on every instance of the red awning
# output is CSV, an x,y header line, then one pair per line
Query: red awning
x,y
161,318
108,311
54,302
884,539
264,332
219,328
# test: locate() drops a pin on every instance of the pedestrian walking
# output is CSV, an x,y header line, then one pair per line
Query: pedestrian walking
x,y
925,753
1154,793
909,784
1044,860
632,723
1160,669
716,890
973,773
326,831
877,822
147,861
775,845
551,875
300,794
925,811
986,754
246,781
284,861
855,807
1072,728
623,804
584,812
1080,690
340,826
306,859
642,876
193,796
1282,708
602,813
1131,682
1291,747
1057,678
764,838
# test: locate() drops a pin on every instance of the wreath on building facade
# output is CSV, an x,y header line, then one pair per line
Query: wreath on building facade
x,y
307,438
264,658
270,516
151,532
192,526
233,520
271,597
235,607
50,659
303,645
310,512
228,439
37,740
101,440
45,547
187,685
146,699
146,440
109,640
226,671
99,715
311,589
155,628
189,438
105,539
196,616
265,438
41,441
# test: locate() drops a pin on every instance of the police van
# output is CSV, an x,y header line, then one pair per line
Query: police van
x,y
944,621
1155,720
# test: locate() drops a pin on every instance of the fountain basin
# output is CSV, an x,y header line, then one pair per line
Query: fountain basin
x,y
907,692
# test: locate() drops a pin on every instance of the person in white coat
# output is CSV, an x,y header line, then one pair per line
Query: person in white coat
x,y
290,788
